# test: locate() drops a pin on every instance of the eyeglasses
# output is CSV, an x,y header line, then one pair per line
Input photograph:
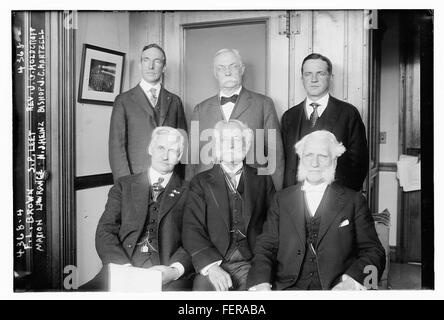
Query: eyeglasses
x,y
232,67
157,62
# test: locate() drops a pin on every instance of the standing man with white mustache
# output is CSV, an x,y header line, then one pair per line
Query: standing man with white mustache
x,y
234,101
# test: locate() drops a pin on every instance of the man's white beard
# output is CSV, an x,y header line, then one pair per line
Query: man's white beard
x,y
328,174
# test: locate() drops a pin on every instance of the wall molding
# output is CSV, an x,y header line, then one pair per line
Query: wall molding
x,y
388,167
93,181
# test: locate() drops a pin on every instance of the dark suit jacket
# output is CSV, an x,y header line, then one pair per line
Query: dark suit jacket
x,y
280,249
132,122
253,109
206,221
344,121
125,213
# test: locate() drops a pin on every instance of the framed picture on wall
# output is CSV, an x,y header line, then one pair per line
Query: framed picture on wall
x,y
101,75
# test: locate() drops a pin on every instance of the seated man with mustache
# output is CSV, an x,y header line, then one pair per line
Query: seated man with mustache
x,y
225,211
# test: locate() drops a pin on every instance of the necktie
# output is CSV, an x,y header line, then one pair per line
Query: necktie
x,y
224,100
157,188
153,97
314,115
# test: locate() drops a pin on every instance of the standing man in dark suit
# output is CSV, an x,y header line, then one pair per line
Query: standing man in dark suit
x,y
321,111
233,101
142,222
225,212
137,112
319,235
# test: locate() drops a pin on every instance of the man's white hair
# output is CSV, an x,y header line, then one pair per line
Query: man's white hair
x,y
336,148
159,131
247,133
233,51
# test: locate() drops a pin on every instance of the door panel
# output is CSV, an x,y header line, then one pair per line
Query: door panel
x,y
411,130
329,32
249,38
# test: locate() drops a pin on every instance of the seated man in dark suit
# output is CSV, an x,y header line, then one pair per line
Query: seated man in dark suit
x,y
319,235
225,211
142,222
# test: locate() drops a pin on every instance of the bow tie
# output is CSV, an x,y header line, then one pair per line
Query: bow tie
x,y
224,100
307,187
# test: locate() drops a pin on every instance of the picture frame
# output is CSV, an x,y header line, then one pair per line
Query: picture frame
x,y
101,75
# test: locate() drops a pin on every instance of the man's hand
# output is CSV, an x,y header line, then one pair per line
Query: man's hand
x,y
261,287
219,278
168,273
348,283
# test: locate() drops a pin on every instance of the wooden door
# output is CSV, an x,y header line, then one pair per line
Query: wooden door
x,y
410,137
192,38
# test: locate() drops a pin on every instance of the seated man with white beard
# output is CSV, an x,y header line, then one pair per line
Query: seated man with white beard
x,y
318,235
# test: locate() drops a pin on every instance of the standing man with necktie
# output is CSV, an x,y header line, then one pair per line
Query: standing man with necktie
x,y
142,222
225,211
234,101
137,112
321,111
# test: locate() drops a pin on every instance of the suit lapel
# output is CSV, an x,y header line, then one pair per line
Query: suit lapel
x,y
242,104
330,206
140,99
215,108
295,129
249,181
331,114
165,101
170,197
218,192
295,206
140,192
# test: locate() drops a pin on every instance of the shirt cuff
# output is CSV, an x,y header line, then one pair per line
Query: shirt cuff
x,y
253,288
205,269
180,269
356,284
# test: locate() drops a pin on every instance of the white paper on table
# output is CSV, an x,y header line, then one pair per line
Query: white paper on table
x,y
131,279
409,173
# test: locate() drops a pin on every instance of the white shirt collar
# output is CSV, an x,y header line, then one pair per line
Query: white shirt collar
x,y
235,92
147,86
308,187
313,195
154,176
233,171
323,102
